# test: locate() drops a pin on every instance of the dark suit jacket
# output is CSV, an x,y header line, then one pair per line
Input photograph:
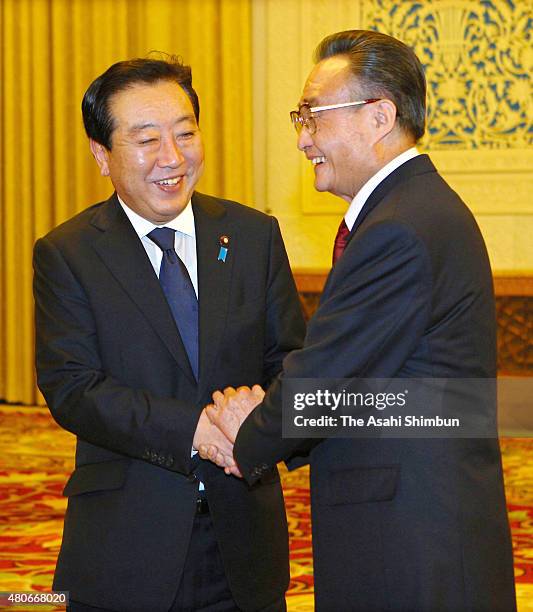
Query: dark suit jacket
x,y
114,371
401,524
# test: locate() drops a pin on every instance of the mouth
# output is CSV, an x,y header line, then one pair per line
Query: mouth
x,y
318,160
169,184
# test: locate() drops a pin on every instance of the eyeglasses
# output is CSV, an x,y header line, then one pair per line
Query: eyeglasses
x,y
304,116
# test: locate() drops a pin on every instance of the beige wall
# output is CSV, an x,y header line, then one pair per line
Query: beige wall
x,y
477,62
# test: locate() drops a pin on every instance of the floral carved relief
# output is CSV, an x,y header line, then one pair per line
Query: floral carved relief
x,y
478,58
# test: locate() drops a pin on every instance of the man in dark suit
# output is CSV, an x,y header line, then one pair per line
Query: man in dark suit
x,y
140,302
398,524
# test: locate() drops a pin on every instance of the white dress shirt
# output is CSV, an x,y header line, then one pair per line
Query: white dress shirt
x,y
364,193
184,240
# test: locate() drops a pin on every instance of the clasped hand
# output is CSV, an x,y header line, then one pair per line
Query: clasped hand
x,y
220,423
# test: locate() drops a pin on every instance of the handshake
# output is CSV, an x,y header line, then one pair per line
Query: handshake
x,y
220,422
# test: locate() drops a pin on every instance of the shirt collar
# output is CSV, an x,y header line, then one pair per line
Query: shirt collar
x,y
363,194
183,223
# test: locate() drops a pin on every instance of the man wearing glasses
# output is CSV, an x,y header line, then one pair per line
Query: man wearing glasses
x,y
398,524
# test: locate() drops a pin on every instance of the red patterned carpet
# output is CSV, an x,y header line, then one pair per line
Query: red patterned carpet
x,y
36,459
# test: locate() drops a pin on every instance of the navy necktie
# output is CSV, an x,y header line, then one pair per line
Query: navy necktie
x,y
179,291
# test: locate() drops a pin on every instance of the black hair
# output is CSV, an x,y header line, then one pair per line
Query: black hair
x,y
97,117
383,67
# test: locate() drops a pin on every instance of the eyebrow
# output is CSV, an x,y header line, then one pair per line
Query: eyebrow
x,y
138,127
307,102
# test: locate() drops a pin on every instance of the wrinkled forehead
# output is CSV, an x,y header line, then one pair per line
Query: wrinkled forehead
x,y
328,82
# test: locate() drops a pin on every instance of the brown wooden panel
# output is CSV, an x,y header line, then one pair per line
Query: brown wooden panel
x,y
515,334
514,311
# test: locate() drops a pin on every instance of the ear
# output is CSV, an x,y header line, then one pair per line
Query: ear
x,y
101,155
383,117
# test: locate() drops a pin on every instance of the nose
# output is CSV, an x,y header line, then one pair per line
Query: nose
x,y
304,139
170,154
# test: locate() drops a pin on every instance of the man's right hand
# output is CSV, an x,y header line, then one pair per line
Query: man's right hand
x,y
214,445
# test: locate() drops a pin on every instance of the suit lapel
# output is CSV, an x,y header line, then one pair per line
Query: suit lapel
x,y
417,165
123,253
214,278
420,164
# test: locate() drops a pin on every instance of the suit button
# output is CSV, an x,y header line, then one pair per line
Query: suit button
x,y
170,461
192,478
256,472
264,467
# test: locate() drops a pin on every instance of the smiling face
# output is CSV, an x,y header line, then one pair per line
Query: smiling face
x,y
342,148
157,154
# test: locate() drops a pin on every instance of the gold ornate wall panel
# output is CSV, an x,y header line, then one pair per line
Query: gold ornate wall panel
x,y
478,59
